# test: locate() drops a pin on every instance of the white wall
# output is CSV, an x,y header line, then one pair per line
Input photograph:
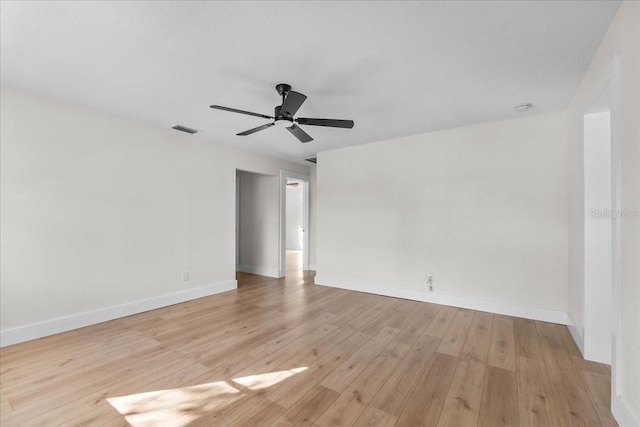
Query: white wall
x,y
313,203
100,215
482,208
623,39
597,238
259,210
295,220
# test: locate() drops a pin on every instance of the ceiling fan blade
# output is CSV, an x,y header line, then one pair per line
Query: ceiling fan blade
x,y
254,130
233,110
299,133
293,102
347,124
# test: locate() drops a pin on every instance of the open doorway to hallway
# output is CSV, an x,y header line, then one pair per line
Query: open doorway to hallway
x,y
257,215
294,224
262,239
295,227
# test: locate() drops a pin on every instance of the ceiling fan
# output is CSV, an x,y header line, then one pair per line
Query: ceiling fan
x,y
283,115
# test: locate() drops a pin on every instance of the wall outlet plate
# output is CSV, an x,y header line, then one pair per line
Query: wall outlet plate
x,y
185,276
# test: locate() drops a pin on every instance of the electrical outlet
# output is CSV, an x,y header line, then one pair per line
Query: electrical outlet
x,y
185,276
430,288
429,279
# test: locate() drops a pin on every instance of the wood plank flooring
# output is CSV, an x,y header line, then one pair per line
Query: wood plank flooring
x,y
285,352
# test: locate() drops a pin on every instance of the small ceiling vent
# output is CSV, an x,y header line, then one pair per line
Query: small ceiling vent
x,y
523,107
184,129
313,160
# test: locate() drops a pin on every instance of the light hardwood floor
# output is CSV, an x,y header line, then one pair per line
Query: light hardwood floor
x,y
287,352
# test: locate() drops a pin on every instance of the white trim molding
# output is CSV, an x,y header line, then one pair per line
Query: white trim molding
x,y
497,307
80,320
261,271
575,334
622,413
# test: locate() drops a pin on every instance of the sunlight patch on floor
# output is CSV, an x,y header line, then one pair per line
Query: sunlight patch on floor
x,y
177,406
181,406
260,381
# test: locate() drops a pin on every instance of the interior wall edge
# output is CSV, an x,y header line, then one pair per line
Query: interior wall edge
x,y
490,306
622,413
80,320
575,333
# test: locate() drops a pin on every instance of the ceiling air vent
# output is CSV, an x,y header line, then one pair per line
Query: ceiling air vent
x,y
313,160
184,129
523,107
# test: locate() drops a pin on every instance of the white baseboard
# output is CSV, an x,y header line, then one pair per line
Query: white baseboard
x,y
622,413
312,267
262,271
497,307
575,334
80,320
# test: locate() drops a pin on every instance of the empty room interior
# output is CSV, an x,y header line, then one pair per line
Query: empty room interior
x,y
345,213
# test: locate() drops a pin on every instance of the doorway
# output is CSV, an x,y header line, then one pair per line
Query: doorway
x,y
294,229
294,223
257,211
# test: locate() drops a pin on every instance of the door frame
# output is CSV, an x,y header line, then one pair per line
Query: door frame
x,y
282,226
609,80
613,84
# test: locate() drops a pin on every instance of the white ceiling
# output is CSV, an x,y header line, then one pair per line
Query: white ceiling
x,y
395,68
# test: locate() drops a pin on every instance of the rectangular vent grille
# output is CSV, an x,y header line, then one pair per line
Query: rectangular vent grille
x,y
312,160
184,129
